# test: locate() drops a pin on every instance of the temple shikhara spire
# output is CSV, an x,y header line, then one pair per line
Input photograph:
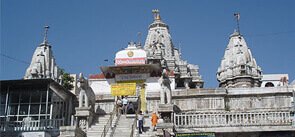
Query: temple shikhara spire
x,y
160,50
238,67
43,63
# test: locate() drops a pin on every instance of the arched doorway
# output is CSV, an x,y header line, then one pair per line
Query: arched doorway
x,y
269,84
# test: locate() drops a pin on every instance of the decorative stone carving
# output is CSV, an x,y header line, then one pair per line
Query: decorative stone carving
x,y
83,124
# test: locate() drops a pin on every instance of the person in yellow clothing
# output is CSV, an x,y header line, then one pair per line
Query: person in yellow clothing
x,y
154,120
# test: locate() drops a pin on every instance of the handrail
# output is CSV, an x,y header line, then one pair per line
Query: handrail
x,y
134,125
109,123
113,130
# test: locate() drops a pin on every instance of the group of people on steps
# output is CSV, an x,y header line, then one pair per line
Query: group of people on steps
x,y
125,107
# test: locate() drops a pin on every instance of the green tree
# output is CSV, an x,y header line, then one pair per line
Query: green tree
x,y
67,80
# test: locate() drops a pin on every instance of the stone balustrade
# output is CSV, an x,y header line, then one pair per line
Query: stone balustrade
x,y
232,119
33,125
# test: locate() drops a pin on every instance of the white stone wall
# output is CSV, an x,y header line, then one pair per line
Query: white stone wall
x,y
238,99
188,104
259,102
104,107
234,99
275,79
101,86
75,87
152,85
200,104
152,105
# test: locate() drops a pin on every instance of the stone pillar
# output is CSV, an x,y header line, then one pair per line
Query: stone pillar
x,y
84,117
166,112
83,99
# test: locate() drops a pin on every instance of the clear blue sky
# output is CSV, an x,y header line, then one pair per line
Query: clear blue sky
x,y
84,33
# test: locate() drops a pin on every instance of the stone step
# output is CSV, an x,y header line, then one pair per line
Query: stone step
x,y
97,135
99,124
97,128
106,119
102,120
123,128
122,135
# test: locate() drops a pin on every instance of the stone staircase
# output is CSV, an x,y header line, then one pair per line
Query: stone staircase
x,y
124,126
97,128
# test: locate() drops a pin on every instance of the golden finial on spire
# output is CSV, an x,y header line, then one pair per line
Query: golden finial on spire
x,y
156,13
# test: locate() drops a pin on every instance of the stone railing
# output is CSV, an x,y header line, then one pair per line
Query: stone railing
x,y
232,119
33,125
109,123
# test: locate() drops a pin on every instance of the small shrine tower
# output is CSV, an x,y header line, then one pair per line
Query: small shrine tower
x,y
238,67
43,62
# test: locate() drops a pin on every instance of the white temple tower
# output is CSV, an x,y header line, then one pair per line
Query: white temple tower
x,y
43,63
160,50
238,67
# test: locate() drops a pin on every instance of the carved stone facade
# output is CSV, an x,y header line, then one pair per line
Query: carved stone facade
x,y
160,50
238,67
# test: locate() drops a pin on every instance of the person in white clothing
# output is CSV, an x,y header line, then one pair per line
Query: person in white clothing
x,y
125,103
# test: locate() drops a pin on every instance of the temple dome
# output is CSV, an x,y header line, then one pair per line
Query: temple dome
x,y
131,55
